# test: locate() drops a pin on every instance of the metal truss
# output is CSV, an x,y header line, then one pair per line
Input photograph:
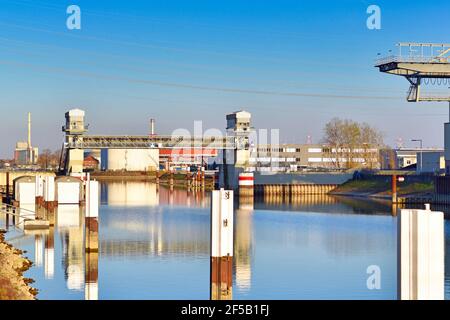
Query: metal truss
x,y
422,64
156,141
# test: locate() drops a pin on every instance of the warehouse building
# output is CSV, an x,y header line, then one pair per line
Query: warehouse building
x,y
402,158
430,162
297,157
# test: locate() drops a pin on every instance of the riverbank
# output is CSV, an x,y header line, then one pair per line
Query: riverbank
x,y
13,285
381,187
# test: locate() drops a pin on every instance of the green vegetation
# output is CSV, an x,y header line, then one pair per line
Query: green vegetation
x,y
382,186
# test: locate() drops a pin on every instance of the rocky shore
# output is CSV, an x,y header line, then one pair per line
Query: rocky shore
x,y
13,285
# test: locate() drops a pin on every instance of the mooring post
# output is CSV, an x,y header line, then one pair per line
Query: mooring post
x,y
246,184
8,199
91,216
39,190
420,254
91,240
394,188
221,244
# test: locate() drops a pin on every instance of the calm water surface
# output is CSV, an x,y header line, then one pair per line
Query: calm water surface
x,y
154,244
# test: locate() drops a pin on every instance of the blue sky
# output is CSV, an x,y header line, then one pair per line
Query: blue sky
x,y
293,64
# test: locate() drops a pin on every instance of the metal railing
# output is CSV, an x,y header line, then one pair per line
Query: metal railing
x,y
411,59
17,212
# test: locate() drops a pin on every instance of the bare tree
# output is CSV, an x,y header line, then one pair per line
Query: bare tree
x,y
352,144
48,159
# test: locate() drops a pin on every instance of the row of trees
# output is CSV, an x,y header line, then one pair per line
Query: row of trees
x,y
352,144
48,159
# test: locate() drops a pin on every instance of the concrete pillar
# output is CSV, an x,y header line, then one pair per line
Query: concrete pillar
x,y
91,216
49,192
75,161
420,255
39,190
221,244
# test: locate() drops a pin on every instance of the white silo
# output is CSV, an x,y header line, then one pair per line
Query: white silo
x,y
133,159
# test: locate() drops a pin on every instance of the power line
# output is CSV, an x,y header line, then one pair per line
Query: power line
x,y
190,86
145,61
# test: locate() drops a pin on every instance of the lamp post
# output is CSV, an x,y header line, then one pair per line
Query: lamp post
x,y
421,154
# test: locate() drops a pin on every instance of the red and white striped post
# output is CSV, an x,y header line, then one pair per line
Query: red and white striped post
x,y
246,184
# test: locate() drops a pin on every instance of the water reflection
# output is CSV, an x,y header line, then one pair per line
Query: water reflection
x,y
243,245
325,204
130,193
38,250
49,254
152,239
91,286
70,230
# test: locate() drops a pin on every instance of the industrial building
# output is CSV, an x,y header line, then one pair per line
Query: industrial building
x,y
185,157
130,159
297,157
25,154
430,162
91,163
401,158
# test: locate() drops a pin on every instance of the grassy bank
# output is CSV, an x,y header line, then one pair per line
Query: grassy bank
x,y
381,187
13,285
123,175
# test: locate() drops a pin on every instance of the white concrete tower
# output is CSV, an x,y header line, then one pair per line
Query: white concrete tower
x,y
74,129
239,125
237,160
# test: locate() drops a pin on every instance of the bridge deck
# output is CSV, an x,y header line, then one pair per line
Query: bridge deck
x,y
157,141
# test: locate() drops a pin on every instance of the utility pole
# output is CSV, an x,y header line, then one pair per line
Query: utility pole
x,y
421,154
